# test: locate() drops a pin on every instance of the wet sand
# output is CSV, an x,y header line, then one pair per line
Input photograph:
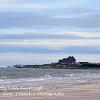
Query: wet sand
x,y
74,92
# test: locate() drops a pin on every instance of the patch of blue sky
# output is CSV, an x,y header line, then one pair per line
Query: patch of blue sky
x,y
94,4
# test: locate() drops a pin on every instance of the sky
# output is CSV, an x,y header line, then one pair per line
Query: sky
x,y
44,31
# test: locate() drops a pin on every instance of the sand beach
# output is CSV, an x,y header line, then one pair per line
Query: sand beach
x,y
56,92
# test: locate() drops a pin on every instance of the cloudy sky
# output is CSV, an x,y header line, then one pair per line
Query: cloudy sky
x,y
43,31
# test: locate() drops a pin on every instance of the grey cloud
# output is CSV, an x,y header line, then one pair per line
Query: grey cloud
x,y
8,20
46,50
24,20
79,10
31,36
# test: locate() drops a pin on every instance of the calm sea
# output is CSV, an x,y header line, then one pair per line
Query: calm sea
x,y
13,76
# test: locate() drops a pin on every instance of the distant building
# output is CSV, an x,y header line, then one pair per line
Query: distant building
x,y
68,60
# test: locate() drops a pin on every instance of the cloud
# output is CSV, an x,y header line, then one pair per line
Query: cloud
x,y
56,44
25,20
44,4
31,36
31,20
80,34
48,50
76,24
16,4
69,35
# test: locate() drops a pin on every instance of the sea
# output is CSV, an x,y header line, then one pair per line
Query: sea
x,y
32,76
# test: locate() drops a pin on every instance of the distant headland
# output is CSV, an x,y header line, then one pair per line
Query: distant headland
x,y
65,63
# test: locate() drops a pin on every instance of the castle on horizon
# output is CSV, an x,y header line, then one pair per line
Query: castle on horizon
x,y
65,63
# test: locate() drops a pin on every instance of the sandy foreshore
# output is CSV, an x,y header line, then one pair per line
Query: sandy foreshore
x,y
54,92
